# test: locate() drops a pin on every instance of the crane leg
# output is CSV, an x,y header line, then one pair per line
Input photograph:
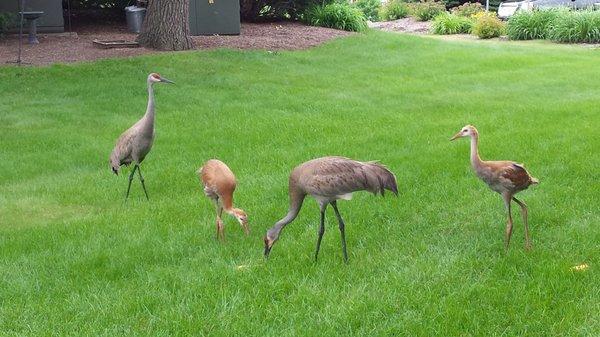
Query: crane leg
x,y
130,179
219,212
321,231
220,226
509,225
342,230
524,214
142,180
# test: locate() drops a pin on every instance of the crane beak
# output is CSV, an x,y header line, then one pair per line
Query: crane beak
x,y
267,248
164,80
458,135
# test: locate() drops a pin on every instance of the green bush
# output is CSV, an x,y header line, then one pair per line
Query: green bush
x,y
274,10
98,4
370,8
532,25
576,27
337,15
426,10
487,25
455,3
468,9
6,22
393,10
560,25
446,23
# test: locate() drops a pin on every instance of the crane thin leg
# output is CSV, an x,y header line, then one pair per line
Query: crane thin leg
x,y
342,230
142,180
130,179
524,214
509,224
220,227
321,232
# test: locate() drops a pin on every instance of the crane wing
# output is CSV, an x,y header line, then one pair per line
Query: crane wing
x,y
121,154
518,175
338,176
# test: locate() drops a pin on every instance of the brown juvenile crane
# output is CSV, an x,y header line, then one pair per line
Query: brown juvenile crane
x,y
505,177
219,185
134,144
328,179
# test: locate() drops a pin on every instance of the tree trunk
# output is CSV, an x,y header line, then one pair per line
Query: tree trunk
x,y
166,26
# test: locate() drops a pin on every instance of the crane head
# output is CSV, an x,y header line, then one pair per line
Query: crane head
x,y
466,131
242,218
268,245
156,78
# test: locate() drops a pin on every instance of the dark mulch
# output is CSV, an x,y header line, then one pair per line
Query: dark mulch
x,y
63,48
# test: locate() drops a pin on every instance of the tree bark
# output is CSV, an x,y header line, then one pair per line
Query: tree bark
x,y
166,26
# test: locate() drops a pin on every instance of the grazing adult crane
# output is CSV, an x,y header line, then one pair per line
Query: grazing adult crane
x,y
505,177
328,179
134,144
219,185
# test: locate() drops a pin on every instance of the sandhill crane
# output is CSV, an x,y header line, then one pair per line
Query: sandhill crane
x,y
505,177
134,144
328,179
219,185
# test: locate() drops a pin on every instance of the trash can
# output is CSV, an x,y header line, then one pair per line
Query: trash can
x,y
135,17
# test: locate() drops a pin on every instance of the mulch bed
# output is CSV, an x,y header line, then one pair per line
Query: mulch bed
x,y
65,48
406,25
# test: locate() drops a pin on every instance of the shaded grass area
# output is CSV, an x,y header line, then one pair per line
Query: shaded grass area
x,y
76,260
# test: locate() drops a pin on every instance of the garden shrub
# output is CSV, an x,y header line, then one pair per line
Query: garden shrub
x,y
393,10
337,15
426,10
532,25
455,3
97,10
468,9
98,4
6,22
446,23
576,27
487,25
274,10
370,8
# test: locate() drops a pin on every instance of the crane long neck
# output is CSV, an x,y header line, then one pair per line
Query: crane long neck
x,y
227,201
149,116
296,200
475,159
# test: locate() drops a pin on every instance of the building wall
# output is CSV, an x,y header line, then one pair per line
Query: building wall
x,y
51,22
208,17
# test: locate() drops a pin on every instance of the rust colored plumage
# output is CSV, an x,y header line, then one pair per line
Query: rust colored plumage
x,y
328,179
505,177
219,184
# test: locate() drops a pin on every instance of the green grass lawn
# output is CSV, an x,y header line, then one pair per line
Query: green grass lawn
x,y
76,260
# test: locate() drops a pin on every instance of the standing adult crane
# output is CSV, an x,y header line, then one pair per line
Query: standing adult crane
x,y
134,144
505,177
328,179
219,185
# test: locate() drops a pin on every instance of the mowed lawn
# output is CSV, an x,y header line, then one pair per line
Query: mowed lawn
x,y
76,260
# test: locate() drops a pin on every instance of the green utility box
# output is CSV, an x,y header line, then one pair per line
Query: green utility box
x,y
52,20
210,17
